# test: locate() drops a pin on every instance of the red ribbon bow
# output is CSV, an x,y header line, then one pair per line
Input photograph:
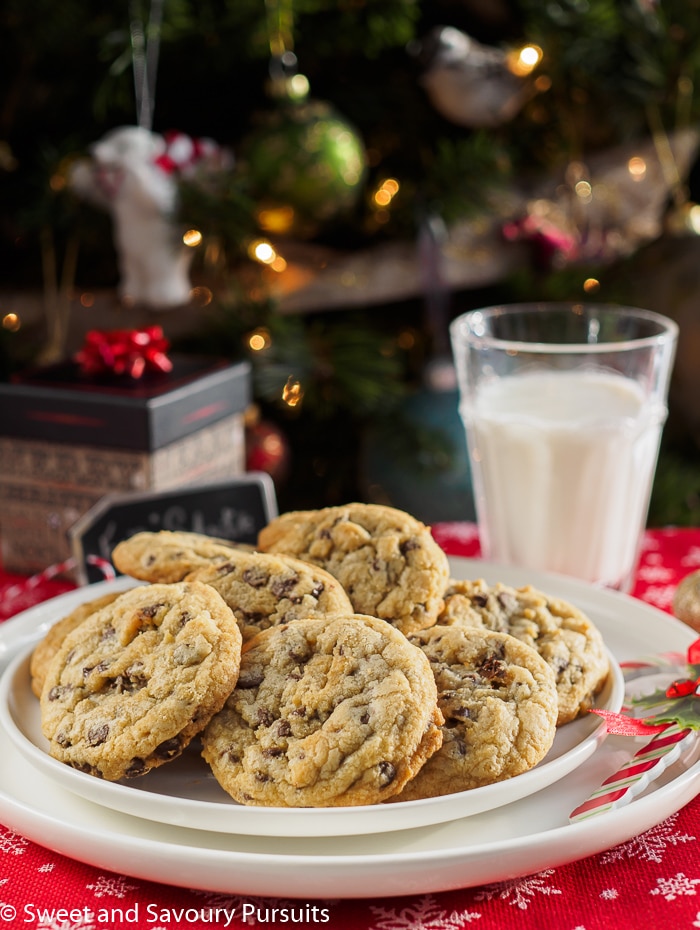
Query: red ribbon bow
x,y
124,352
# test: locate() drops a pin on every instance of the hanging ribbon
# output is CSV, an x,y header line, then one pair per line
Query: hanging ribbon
x,y
145,50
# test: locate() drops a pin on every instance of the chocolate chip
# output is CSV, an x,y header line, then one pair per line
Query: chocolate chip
x,y
282,586
85,767
284,728
491,667
481,600
318,590
387,773
273,752
136,767
265,717
256,577
127,684
150,610
364,718
408,545
58,691
98,734
250,679
185,618
168,749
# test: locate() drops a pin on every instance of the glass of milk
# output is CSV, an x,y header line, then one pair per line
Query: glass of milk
x,y
563,406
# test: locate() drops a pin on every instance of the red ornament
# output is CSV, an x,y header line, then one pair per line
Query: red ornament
x,y
682,688
694,652
267,450
130,352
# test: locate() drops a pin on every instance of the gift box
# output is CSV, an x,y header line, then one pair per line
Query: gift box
x,y
63,404
66,441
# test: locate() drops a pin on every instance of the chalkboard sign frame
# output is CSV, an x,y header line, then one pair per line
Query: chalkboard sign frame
x,y
236,509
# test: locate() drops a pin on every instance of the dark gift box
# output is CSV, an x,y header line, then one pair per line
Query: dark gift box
x,y
60,404
67,441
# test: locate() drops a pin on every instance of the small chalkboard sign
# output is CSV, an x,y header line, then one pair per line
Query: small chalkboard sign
x,y
236,509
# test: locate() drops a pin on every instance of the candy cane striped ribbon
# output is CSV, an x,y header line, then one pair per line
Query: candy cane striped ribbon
x,y
633,777
59,568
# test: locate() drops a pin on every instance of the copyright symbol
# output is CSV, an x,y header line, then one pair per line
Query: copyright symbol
x,y
7,912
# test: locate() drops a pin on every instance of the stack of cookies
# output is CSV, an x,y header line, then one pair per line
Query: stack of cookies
x,y
336,664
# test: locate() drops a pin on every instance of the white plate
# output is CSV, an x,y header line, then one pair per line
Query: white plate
x,y
185,793
521,838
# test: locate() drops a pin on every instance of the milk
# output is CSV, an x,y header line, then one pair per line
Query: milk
x,y
560,449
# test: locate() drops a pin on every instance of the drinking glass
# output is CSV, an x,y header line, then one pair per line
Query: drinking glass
x,y
563,406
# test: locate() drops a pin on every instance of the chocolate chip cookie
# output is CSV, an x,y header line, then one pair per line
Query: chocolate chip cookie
x,y
264,590
130,687
167,557
47,648
387,561
326,713
498,698
564,636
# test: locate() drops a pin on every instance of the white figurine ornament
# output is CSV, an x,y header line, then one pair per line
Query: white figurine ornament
x,y
132,173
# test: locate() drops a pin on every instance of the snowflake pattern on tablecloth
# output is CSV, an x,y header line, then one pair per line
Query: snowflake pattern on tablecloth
x,y
519,892
660,596
235,903
425,914
47,867
651,573
692,558
13,843
110,886
609,894
83,923
649,846
675,887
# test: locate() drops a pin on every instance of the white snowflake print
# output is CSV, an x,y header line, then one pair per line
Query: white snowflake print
x,y
425,915
609,894
649,544
649,846
696,922
651,573
11,842
520,891
113,887
46,867
692,557
660,596
83,923
256,910
672,888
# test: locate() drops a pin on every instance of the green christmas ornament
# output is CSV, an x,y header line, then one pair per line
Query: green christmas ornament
x,y
307,167
306,164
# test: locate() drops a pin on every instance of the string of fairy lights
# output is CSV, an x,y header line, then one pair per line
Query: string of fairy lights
x,y
582,191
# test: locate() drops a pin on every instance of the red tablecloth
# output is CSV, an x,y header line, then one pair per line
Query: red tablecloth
x,y
652,881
